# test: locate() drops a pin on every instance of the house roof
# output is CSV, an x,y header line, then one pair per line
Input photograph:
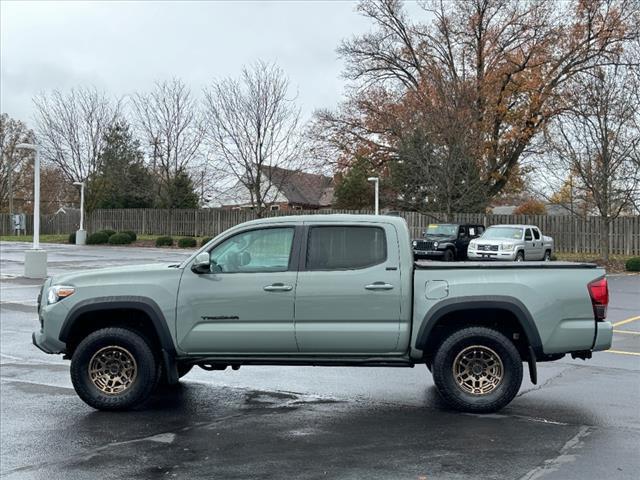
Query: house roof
x,y
302,187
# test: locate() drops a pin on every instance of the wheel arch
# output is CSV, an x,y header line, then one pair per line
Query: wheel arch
x,y
499,311
139,313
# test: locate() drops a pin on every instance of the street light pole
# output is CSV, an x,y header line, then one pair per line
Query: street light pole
x,y
376,182
81,234
35,262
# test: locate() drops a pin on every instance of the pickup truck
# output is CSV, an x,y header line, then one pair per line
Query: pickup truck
x,y
511,242
332,290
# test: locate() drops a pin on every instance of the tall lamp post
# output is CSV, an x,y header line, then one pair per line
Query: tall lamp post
x,y
35,260
81,235
376,181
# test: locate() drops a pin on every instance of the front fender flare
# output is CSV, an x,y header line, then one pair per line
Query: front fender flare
x,y
144,304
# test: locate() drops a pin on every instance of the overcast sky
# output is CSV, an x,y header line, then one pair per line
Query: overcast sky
x,y
124,46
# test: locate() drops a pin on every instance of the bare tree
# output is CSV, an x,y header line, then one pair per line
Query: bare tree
x,y
70,129
596,141
12,160
170,123
253,129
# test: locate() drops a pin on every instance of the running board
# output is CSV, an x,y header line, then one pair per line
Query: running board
x,y
309,361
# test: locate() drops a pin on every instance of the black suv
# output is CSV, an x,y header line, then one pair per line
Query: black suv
x,y
446,241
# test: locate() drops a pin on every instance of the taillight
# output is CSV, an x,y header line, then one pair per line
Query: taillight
x,y
599,293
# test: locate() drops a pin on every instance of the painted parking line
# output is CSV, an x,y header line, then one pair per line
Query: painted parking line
x,y
628,320
622,352
627,332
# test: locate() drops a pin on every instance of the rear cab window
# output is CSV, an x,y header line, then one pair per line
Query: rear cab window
x,y
348,247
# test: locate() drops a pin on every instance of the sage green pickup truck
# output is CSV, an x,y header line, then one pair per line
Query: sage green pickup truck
x,y
325,290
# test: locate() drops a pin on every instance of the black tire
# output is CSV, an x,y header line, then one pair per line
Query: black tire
x,y
123,342
520,256
547,256
449,255
491,341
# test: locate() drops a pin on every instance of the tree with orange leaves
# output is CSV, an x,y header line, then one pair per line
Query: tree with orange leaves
x,y
499,69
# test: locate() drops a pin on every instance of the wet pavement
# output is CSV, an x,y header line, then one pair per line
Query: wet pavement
x,y
582,420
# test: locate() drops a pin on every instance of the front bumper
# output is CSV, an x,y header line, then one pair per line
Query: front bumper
x,y
491,255
429,253
47,345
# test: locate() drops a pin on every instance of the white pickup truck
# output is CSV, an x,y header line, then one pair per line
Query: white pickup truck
x,y
511,242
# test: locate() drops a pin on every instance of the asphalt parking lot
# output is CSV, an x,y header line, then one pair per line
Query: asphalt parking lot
x,y
582,420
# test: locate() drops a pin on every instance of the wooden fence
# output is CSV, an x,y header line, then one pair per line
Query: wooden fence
x,y
571,234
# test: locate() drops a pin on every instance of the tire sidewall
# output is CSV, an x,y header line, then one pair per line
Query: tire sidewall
x,y
146,374
448,387
449,255
520,256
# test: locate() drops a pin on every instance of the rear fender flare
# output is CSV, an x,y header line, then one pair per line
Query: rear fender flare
x,y
481,302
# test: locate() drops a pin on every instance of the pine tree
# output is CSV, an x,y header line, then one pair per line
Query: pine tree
x,y
121,180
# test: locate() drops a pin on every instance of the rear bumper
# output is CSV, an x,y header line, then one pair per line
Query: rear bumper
x,y
604,336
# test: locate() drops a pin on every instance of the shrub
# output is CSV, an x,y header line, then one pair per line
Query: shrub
x,y
164,241
205,240
108,232
633,264
187,242
72,238
131,234
120,239
97,238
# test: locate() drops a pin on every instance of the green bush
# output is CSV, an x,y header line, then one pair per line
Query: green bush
x,y
97,238
633,264
120,239
72,238
205,240
164,242
131,234
108,232
187,242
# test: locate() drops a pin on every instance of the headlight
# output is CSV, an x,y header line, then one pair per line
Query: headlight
x,y
435,244
508,247
58,292
414,243
472,244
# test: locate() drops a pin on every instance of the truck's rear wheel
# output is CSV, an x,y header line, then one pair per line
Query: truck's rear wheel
x,y
113,369
477,369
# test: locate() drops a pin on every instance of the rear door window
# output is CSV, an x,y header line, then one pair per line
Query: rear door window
x,y
345,247
527,235
536,233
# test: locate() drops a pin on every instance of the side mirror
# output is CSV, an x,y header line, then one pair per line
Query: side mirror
x,y
202,263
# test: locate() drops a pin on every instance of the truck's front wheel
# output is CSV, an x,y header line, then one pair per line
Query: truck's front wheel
x,y
113,369
477,369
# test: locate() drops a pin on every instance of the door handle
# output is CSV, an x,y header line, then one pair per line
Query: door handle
x,y
379,286
278,287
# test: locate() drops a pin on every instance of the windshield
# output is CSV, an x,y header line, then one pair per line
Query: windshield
x,y
513,233
446,229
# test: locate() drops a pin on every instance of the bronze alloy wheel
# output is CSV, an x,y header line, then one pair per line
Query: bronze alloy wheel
x,y
113,370
478,370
